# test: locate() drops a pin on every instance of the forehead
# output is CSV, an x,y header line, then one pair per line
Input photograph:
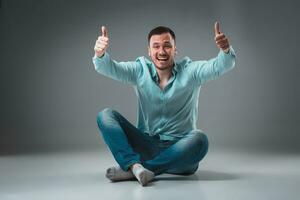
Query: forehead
x,y
164,37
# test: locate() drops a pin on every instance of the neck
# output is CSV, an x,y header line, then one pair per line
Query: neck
x,y
164,75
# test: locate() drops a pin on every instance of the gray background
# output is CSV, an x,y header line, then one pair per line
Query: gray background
x,y
51,94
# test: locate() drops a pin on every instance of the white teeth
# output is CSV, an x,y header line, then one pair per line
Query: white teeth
x,y
162,59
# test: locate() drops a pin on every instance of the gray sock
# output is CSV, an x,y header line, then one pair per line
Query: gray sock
x,y
117,174
144,176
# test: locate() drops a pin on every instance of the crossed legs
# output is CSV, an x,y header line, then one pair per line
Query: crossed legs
x,y
132,148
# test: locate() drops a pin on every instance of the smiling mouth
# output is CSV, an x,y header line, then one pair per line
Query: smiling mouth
x,y
162,59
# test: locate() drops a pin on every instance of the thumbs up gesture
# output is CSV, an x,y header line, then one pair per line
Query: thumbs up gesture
x,y
221,39
101,43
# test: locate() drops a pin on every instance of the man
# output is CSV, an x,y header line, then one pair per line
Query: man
x,y
166,139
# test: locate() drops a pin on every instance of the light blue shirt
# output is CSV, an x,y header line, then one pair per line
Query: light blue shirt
x,y
173,111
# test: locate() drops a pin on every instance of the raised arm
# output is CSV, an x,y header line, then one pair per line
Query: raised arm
x,y
203,71
126,72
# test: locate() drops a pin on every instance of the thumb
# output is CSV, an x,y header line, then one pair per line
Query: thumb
x,y
217,28
104,31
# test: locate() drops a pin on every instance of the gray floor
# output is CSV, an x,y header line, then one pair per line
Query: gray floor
x,y
80,175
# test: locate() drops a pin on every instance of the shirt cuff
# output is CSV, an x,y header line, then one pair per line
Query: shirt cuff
x,y
100,58
230,52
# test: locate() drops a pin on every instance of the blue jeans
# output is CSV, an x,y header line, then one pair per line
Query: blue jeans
x,y
129,145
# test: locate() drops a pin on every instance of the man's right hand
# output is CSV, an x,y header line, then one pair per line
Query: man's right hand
x,y
101,43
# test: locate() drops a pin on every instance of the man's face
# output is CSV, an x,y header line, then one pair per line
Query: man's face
x,y
162,50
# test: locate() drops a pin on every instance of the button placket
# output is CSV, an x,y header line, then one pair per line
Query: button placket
x,y
163,108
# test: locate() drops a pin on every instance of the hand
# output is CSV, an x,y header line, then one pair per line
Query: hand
x,y
221,39
101,43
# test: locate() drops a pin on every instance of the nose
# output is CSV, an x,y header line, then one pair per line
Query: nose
x,y
162,51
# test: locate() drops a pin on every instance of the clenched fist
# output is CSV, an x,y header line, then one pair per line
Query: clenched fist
x,y
101,43
221,39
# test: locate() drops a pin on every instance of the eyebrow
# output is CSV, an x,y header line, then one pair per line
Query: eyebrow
x,y
166,42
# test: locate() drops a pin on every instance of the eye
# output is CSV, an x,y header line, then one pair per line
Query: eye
x,y
168,45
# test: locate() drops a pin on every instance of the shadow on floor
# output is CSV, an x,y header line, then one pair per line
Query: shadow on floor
x,y
201,175
39,181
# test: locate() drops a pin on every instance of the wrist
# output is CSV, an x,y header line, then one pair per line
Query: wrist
x,y
99,55
226,50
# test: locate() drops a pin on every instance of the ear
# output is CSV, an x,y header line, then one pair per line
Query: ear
x,y
176,51
149,51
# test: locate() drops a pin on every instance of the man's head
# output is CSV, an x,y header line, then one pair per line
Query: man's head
x,y
162,47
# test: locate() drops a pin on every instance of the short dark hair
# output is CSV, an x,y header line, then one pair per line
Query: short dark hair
x,y
160,30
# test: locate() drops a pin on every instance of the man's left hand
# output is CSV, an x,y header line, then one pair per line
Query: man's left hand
x,y
221,40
